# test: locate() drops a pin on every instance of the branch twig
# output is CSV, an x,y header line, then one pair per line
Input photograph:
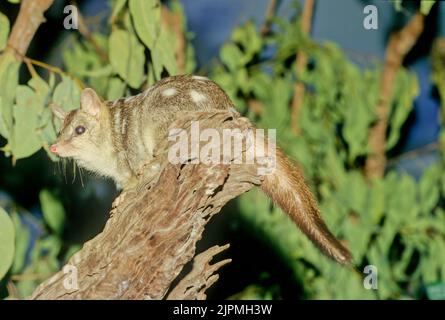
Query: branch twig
x,y
202,276
270,12
32,62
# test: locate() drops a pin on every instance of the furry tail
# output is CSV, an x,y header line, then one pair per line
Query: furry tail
x,y
286,187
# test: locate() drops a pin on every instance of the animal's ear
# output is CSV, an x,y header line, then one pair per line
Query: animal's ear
x,y
58,112
90,102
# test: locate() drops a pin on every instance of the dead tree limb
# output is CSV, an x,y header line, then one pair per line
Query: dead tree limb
x,y
154,229
194,285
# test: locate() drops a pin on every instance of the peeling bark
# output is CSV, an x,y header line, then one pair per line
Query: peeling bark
x,y
202,276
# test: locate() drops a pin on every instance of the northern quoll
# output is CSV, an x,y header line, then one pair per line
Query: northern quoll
x,y
116,138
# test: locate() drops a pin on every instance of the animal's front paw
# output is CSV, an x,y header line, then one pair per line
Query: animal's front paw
x,y
120,198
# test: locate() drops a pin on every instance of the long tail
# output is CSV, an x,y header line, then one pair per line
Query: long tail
x,y
286,187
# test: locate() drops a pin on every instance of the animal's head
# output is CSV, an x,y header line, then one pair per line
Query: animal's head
x,y
84,133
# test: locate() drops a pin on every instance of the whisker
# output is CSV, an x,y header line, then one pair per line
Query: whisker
x,y
64,170
80,175
74,172
57,168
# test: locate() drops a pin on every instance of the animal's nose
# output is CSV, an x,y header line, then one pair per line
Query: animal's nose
x,y
53,148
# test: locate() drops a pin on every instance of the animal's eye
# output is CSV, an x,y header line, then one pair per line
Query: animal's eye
x,y
80,130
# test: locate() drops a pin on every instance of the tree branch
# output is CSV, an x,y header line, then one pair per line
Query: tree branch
x,y
400,43
300,65
28,21
270,12
194,285
156,225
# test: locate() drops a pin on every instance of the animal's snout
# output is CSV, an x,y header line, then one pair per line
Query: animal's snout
x,y
53,148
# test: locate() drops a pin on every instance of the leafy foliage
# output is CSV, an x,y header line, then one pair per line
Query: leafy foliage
x,y
140,48
4,31
425,5
53,211
394,223
7,237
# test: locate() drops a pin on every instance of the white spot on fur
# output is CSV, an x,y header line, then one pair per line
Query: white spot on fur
x,y
197,97
169,92
200,78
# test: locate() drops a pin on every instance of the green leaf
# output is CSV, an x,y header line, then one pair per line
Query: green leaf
x,y
397,5
127,57
146,16
51,245
101,72
26,137
402,205
7,242
53,211
9,69
4,31
67,94
116,89
406,90
355,105
190,64
249,38
71,251
436,291
41,92
21,244
24,140
231,56
426,5
429,189
163,53
118,5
